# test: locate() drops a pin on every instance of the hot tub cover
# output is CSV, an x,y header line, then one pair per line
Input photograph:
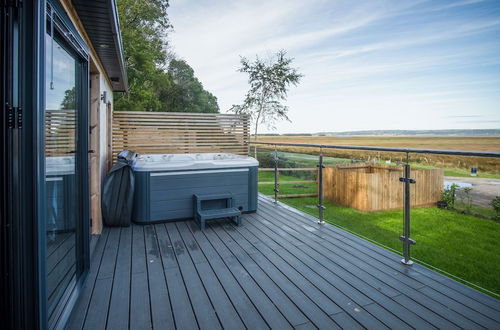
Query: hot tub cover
x,y
118,191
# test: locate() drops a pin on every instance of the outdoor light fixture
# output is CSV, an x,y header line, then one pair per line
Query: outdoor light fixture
x,y
104,97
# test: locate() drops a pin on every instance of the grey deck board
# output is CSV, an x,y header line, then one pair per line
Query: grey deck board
x,y
291,286
436,291
119,306
79,314
247,311
140,311
328,274
326,245
222,305
59,251
278,270
261,301
322,266
201,304
103,284
341,262
286,306
161,312
60,239
334,294
417,272
425,313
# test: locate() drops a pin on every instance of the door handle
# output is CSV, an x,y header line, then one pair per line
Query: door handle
x,y
91,151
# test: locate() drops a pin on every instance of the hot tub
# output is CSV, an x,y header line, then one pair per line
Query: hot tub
x,y
60,183
165,183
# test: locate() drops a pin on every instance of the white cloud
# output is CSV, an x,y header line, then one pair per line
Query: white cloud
x,y
363,61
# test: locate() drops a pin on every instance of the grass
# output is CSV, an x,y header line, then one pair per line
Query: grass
x,y
458,172
482,143
309,188
466,174
476,210
460,244
268,189
306,160
312,160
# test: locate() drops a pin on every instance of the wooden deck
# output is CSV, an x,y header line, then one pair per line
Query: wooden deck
x,y
278,270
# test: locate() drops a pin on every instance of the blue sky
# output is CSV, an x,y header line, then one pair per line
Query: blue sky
x,y
367,64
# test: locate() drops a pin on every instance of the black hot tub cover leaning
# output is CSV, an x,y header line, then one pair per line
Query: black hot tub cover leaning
x,y
118,191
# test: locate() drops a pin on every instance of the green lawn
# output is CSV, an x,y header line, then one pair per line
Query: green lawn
x,y
462,245
312,160
476,210
309,188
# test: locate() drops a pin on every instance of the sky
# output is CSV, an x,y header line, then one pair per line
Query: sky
x,y
62,65
367,65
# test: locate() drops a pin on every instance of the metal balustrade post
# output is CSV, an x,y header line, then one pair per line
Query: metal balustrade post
x,y
407,241
321,207
276,176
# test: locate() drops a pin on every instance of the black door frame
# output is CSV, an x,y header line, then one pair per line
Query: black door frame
x,y
23,210
20,112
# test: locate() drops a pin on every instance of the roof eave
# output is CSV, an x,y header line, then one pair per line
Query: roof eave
x,y
101,23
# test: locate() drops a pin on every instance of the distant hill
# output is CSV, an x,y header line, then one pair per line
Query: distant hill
x,y
438,132
443,132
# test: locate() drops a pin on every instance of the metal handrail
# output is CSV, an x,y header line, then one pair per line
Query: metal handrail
x,y
406,179
493,154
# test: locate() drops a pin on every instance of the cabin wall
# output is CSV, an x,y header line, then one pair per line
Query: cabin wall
x,y
99,110
105,112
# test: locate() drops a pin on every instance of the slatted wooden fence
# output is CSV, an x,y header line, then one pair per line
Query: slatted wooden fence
x,y
60,132
173,132
376,187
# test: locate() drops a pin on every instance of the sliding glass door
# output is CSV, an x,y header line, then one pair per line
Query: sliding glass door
x,y
65,159
44,204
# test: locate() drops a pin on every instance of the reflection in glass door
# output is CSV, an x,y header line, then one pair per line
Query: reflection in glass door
x,y
61,170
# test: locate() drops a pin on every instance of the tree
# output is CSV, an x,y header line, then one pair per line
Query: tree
x,y
144,28
186,93
69,101
269,84
151,65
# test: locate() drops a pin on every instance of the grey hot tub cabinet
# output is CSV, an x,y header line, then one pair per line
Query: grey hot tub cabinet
x,y
165,193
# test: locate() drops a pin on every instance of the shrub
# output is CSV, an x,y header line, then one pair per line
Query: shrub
x,y
468,199
266,160
449,195
496,206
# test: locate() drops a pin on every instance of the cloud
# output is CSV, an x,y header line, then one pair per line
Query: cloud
x,y
465,116
480,121
362,61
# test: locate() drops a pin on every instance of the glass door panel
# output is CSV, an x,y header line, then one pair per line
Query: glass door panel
x,y
61,175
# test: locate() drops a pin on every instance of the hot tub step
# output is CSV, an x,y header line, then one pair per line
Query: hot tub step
x,y
220,213
227,212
